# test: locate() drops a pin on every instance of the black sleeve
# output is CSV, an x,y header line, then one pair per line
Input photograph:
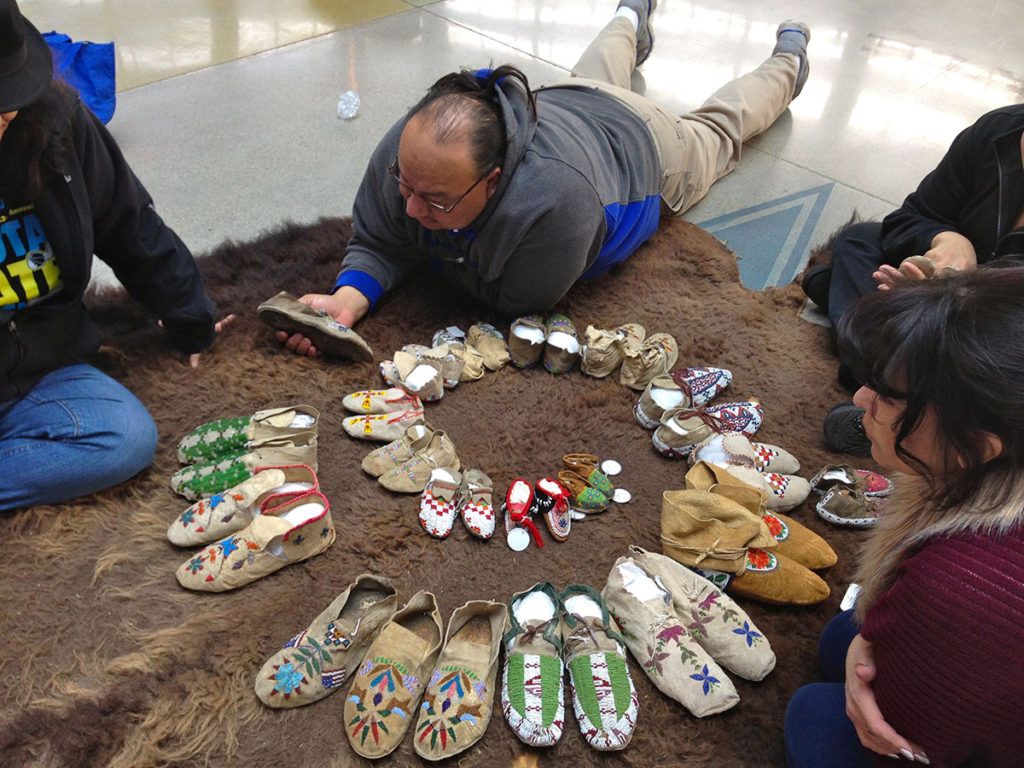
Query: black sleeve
x,y
149,259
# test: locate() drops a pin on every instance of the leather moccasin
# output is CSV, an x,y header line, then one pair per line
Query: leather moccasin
x,y
848,507
196,481
682,388
551,502
562,347
586,466
721,626
684,428
412,476
489,342
477,508
656,356
604,698
870,484
673,660
295,531
604,351
382,427
318,660
439,501
457,704
413,440
771,458
284,312
387,688
526,340
232,436
224,513
388,400
532,695
584,497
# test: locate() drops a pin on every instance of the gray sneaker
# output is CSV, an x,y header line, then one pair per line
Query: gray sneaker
x,y
792,37
644,33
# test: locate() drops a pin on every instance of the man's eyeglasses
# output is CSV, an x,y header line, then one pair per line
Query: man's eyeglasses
x,y
392,171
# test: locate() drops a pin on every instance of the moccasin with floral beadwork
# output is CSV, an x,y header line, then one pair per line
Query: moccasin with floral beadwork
x,y
295,531
532,696
603,696
586,466
457,704
321,658
713,618
224,513
196,481
382,427
870,484
677,665
386,691
229,437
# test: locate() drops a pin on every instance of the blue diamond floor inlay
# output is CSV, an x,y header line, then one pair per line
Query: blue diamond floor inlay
x,y
772,239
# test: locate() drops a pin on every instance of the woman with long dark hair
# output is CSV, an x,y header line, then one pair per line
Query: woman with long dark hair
x,y
927,667
66,193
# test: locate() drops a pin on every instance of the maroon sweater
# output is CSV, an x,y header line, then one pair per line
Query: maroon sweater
x,y
949,648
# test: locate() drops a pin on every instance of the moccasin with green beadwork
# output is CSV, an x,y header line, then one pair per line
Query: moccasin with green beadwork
x,y
457,704
603,696
532,698
197,481
387,688
228,437
321,658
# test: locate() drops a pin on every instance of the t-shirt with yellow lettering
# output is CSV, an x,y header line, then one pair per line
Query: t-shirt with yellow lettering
x,y
28,269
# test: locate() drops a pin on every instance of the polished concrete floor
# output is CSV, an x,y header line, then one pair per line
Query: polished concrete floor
x,y
226,109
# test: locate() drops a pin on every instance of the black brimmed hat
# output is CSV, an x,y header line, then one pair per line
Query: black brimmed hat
x,y
26,66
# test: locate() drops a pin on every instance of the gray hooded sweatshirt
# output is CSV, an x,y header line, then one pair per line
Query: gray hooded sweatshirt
x,y
579,191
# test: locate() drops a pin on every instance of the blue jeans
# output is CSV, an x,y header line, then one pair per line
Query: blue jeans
x,y
77,431
818,732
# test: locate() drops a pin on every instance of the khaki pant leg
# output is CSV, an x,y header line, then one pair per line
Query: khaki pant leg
x,y
611,57
705,145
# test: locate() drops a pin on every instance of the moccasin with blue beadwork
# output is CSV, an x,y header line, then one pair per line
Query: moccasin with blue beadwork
x,y
659,640
385,695
457,704
228,437
603,696
562,347
532,697
321,658
295,531
711,617
197,481
224,513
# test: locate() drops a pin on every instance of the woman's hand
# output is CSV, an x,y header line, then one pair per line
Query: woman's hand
x,y
193,359
346,306
950,251
862,709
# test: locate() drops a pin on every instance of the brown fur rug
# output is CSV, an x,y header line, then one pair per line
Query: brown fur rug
x,y
107,661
